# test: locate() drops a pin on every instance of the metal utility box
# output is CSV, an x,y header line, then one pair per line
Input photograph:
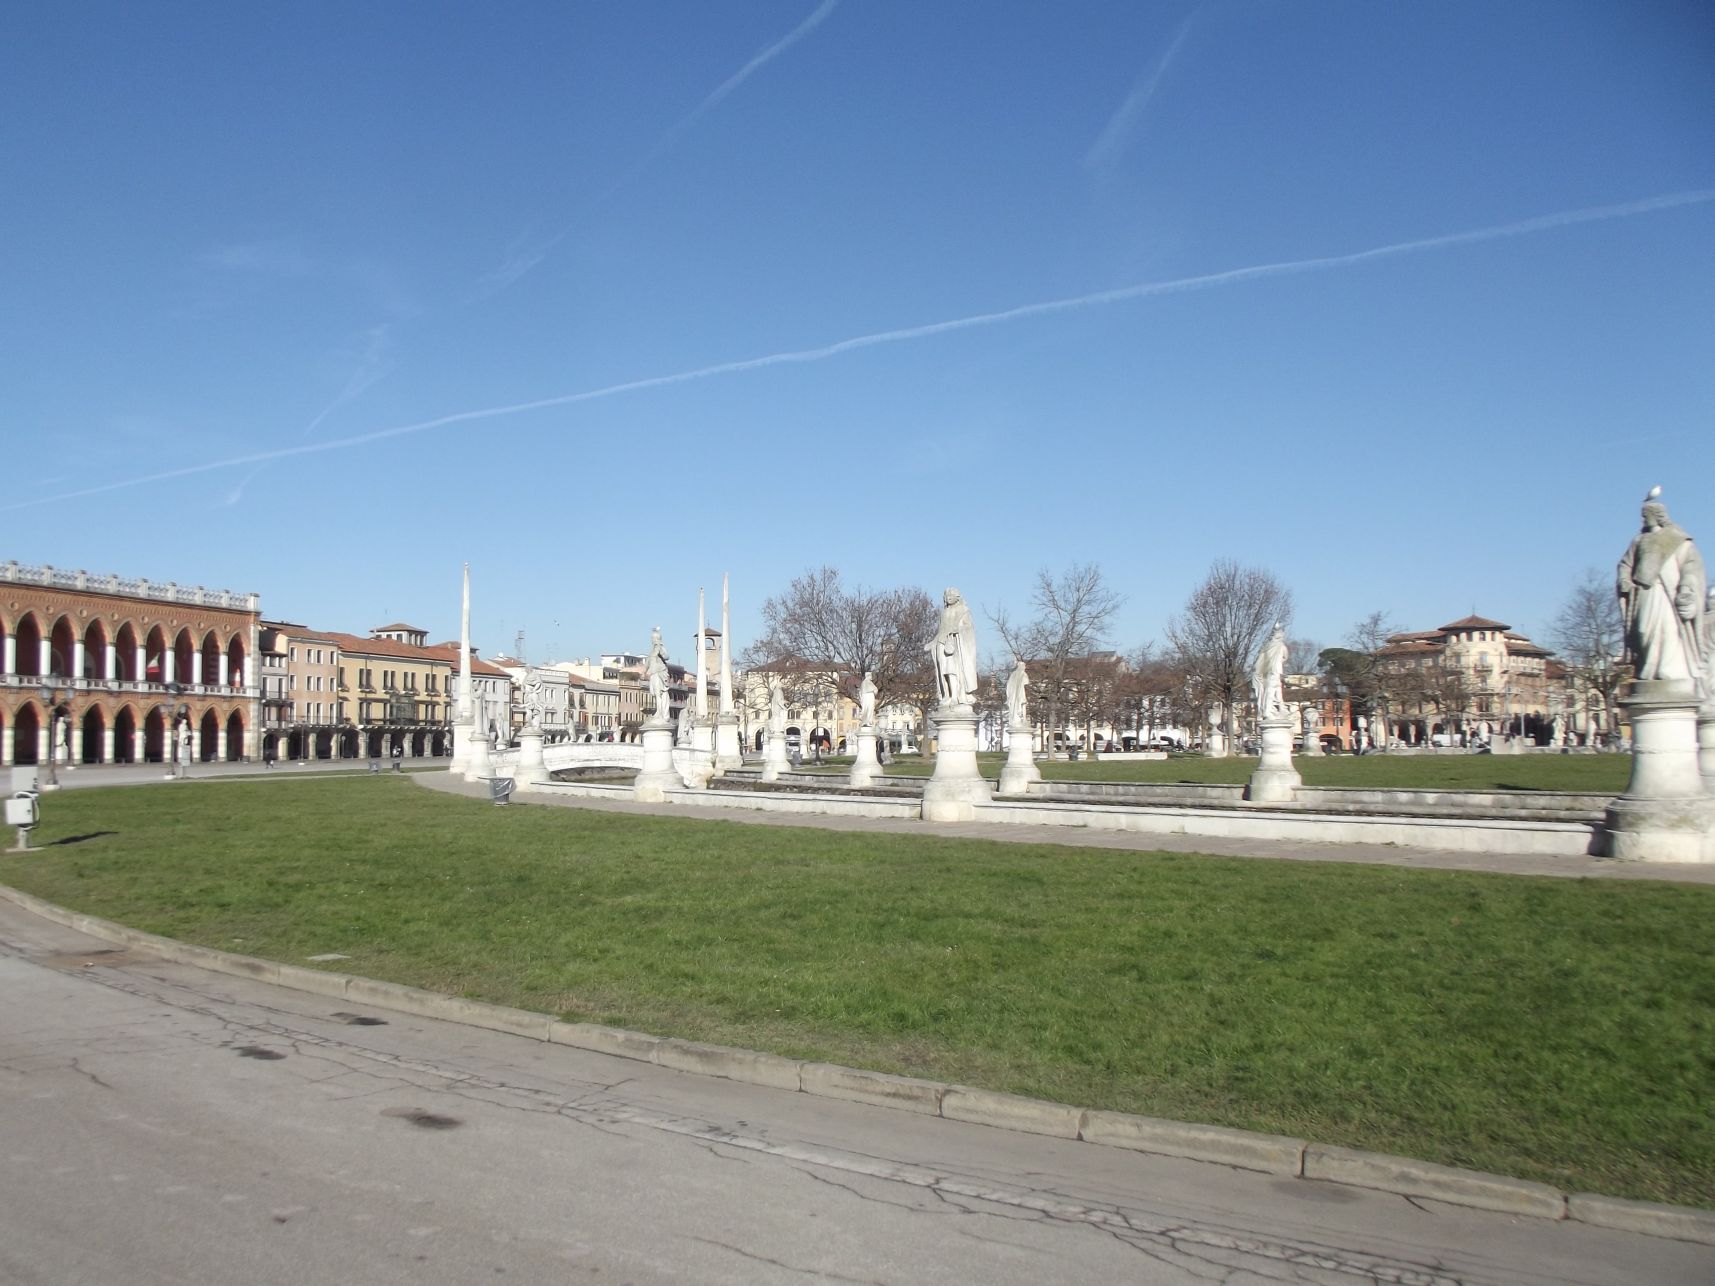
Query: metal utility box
x,y
500,789
21,811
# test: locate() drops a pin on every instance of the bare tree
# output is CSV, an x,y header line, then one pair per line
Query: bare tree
x,y
820,627
1302,655
1223,625
1072,614
1358,670
1590,635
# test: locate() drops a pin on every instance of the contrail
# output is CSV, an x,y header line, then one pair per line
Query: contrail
x,y
523,255
366,374
1125,119
1542,223
720,91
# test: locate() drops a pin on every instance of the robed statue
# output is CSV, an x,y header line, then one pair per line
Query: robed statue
x,y
1268,673
955,652
866,701
655,672
1016,682
1662,587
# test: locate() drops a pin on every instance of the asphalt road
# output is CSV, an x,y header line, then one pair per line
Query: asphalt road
x,y
161,1125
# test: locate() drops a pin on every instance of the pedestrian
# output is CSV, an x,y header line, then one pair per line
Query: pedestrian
x,y
398,758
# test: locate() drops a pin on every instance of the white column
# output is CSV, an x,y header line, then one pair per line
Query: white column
x,y
141,667
45,742
44,656
110,665
10,665
220,743
6,740
77,659
169,663
107,744
222,664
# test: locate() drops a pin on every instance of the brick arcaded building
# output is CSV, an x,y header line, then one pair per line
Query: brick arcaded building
x,y
113,670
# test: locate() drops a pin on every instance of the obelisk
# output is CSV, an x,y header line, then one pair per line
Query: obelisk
x,y
728,753
463,719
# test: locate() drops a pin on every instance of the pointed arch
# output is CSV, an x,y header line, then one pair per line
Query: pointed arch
x,y
235,662
125,747
184,658
27,734
234,737
156,749
125,648
155,656
208,661
95,651
28,637
208,736
60,647
87,749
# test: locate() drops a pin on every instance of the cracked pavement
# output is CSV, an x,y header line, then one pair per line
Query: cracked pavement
x,y
162,1125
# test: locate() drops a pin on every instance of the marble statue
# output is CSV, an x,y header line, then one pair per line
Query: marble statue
x,y
1309,723
955,651
776,706
655,672
866,701
682,731
535,703
1662,586
1016,682
1709,646
1267,674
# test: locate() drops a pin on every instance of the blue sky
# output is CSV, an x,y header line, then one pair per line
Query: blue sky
x,y
324,300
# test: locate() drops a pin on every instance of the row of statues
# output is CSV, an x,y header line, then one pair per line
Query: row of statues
x,y
1665,599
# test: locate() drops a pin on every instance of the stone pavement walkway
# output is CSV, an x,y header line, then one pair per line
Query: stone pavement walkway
x,y
1077,837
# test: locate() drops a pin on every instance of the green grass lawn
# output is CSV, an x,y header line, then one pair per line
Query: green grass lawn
x,y
1597,774
1561,1030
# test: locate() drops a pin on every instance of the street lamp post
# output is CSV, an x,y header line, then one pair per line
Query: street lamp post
x,y
173,713
51,694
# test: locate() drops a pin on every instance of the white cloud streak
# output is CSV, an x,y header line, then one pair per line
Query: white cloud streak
x,y
1117,133
1145,290
720,92
370,370
524,255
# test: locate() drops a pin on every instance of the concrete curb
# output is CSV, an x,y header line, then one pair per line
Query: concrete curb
x,y
1681,1223
1436,1182
1268,1153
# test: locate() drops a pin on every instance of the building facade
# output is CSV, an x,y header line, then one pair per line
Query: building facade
x,y
108,669
1473,677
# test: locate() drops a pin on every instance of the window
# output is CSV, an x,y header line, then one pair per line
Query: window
x,y
294,654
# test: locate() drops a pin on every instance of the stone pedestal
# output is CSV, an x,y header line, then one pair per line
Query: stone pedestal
x,y
1275,780
1216,746
694,767
1706,746
1666,814
462,733
531,770
703,736
774,761
1020,769
956,783
866,768
657,776
728,752
477,764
